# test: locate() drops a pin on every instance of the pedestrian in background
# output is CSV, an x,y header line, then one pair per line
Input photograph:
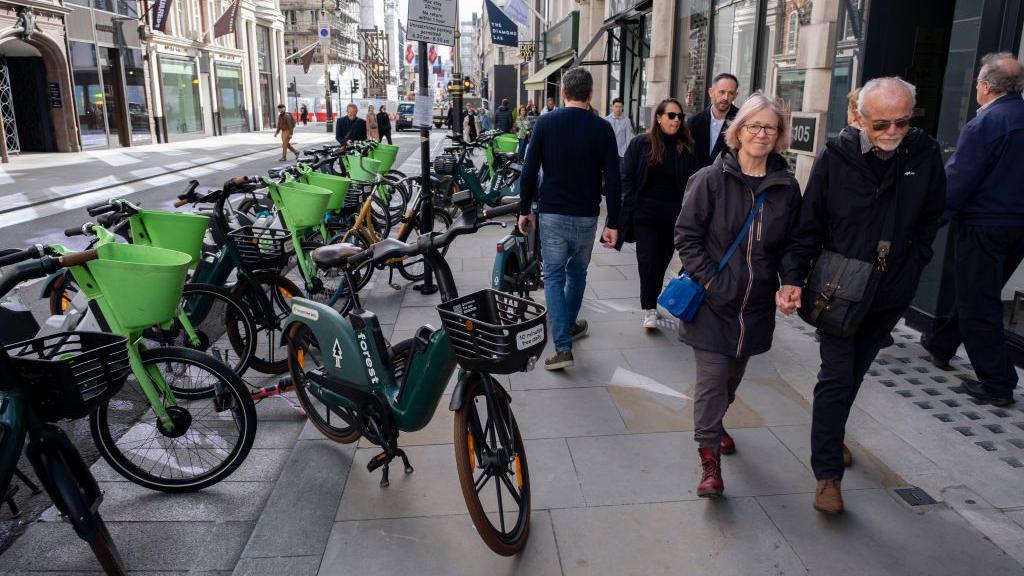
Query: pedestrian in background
x,y
372,128
985,202
708,126
469,122
303,114
350,127
503,117
485,119
869,214
577,152
384,124
655,169
285,127
622,126
523,127
549,107
737,318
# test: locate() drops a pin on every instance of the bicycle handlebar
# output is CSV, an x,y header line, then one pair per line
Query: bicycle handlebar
x,y
35,251
40,266
77,230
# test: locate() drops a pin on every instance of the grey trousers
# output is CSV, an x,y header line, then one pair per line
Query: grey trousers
x,y
718,377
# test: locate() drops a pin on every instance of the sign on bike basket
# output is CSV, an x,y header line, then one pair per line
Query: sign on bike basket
x,y
494,332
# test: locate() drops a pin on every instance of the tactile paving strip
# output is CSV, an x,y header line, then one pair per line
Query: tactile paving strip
x,y
904,369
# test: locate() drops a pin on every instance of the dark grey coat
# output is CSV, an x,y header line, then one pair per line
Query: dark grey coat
x,y
737,317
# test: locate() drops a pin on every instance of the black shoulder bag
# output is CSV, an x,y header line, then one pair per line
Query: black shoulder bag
x,y
840,290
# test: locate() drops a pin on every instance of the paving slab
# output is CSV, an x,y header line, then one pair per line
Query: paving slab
x,y
290,565
436,546
222,502
863,473
880,536
593,368
645,468
566,412
733,537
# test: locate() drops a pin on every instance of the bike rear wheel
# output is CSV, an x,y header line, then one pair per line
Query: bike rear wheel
x,y
304,354
489,451
211,437
269,357
412,268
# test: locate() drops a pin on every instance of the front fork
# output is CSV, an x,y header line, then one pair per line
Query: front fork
x,y
151,381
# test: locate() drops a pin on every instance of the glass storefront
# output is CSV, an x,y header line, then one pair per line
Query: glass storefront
x,y
135,96
230,97
735,23
266,75
692,31
182,109
88,94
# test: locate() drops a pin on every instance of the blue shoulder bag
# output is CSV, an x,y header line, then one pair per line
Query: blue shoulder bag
x,y
683,295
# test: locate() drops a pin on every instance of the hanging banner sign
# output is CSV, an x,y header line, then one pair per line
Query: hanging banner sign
x,y
431,21
307,60
519,11
503,30
161,10
226,23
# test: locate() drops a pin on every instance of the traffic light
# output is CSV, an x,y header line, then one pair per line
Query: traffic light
x,y
355,85
334,87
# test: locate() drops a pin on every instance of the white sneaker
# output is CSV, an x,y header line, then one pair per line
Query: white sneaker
x,y
650,319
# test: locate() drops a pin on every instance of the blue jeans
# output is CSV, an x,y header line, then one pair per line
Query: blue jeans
x,y
521,150
565,246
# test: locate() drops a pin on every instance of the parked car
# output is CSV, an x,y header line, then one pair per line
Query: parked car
x,y
405,115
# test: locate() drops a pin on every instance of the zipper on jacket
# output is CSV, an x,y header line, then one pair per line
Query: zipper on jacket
x,y
750,279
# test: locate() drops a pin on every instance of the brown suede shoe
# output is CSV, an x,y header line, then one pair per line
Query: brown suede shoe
x,y
847,457
828,498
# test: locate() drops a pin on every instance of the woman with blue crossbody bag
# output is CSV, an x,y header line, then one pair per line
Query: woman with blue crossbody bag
x,y
731,233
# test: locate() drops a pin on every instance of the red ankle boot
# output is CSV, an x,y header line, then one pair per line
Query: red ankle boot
x,y
728,445
711,485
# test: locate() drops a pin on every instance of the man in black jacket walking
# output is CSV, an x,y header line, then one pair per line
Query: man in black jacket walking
x,y
350,127
708,126
503,117
856,180
384,124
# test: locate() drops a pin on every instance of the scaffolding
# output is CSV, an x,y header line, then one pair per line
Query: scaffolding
x,y
376,62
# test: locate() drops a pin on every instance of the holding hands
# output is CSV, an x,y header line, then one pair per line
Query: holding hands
x,y
788,299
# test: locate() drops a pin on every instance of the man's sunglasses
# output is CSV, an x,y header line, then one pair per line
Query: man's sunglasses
x,y
882,125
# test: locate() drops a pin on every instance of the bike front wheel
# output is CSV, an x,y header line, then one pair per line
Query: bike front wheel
x,y
491,462
304,354
209,438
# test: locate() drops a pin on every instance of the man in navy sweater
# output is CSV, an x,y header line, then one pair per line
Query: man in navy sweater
x,y
984,200
576,149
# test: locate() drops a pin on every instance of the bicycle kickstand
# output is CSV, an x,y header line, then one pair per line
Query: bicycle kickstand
x,y
384,460
391,278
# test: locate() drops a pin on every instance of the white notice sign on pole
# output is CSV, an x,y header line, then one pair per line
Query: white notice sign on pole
x,y
423,111
431,21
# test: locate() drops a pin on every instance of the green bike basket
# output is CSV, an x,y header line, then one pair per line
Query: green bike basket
x,y
365,173
304,206
386,154
338,185
142,284
173,231
506,143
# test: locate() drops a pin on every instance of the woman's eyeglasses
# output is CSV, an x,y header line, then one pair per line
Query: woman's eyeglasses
x,y
756,129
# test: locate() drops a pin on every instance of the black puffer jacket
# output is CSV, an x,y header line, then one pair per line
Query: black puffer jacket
x,y
503,119
843,206
737,317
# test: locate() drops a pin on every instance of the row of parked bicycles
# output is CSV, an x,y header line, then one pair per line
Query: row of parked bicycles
x,y
155,325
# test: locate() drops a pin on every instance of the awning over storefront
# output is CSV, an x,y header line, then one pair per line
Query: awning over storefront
x,y
538,79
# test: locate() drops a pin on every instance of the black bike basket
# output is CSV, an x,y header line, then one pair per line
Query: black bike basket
x,y
70,374
494,332
444,164
261,248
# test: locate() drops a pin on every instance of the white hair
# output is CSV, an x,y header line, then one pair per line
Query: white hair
x,y
887,83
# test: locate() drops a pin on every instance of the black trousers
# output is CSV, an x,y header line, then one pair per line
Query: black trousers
x,y
844,362
655,245
986,258
387,135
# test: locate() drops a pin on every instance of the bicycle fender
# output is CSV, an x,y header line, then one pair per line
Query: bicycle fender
x,y
505,248
342,349
462,386
51,281
12,435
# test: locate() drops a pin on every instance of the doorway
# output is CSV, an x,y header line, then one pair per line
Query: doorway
x,y
26,102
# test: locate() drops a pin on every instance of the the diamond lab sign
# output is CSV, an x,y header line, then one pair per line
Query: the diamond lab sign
x,y
431,21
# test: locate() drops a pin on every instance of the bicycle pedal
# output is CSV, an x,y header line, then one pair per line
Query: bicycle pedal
x,y
377,461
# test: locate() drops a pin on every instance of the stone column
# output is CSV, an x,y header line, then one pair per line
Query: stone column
x,y
815,53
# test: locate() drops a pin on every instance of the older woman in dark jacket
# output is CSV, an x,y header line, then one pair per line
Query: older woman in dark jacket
x,y
655,169
737,318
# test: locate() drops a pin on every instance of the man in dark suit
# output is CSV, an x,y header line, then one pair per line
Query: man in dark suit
x,y
350,127
708,126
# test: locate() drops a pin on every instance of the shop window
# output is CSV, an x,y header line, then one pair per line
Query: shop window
x,y
734,46
790,87
230,97
692,26
182,108
792,31
89,100
842,83
135,95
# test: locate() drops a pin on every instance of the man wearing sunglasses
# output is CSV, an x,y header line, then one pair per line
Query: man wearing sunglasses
x,y
885,179
984,200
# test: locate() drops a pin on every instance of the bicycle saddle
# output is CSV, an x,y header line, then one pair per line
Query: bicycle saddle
x,y
335,255
506,200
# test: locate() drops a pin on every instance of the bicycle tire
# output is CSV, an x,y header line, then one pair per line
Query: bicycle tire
x,y
227,321
279,290
131,407
470,434
412,268
398,199
511,281
301,345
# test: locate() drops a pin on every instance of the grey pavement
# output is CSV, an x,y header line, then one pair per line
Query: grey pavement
x,y
613,471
